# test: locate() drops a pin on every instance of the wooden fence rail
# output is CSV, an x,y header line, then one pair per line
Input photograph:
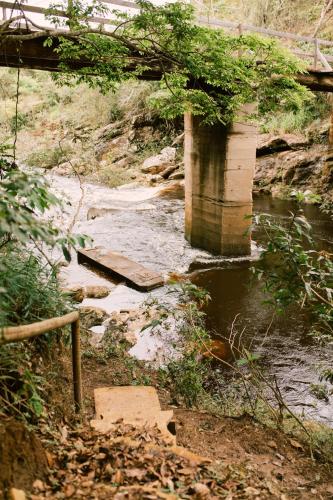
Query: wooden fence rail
x,y
18,333
317,56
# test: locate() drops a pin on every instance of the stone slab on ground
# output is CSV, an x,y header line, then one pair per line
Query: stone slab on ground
x,y
134,274
135,405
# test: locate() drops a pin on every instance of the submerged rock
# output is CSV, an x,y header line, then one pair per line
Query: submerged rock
x,y
94,212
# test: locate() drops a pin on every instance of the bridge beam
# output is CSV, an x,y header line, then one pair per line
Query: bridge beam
x,y
219,170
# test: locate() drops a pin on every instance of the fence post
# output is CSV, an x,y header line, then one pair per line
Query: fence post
x,y
76,361
4,14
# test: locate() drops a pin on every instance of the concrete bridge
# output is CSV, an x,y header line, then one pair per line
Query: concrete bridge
x,y
219,160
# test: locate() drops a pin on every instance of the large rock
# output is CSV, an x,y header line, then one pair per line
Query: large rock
x,y
111,130
303,169
168,171
176,176
268,145
76,292
92,316
174,189
63,169
158,163
97,291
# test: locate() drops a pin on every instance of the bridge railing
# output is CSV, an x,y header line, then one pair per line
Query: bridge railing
x,y
316,58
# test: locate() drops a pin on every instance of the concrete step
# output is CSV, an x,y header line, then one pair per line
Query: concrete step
x,y
135,405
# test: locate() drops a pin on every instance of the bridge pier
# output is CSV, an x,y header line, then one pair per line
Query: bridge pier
x,y
219,169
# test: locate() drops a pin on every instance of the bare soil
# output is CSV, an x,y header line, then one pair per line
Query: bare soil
x,y
247,459
262,457
22,456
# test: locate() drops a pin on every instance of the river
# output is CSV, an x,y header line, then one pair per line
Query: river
x,y
149,228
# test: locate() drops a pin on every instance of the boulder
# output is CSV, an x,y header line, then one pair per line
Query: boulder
x,y
303,169
123,162
15,494
76,292
173,189
168,171
158,163
97,291
155,178
92,316
269,145
111,130
176,176
63,169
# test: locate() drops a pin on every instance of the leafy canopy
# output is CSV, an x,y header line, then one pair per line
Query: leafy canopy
x,y
202,70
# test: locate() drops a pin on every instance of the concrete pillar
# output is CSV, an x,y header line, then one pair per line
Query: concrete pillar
x,y
219,170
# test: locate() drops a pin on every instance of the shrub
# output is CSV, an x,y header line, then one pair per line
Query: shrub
x,y
297,120
29,291
49,157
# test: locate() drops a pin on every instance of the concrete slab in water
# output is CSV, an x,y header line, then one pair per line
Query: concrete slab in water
x,y
134,274
138,406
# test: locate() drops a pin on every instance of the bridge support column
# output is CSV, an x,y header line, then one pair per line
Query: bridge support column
x,y
219,170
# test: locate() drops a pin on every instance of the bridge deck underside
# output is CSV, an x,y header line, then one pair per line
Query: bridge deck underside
x,y
33,54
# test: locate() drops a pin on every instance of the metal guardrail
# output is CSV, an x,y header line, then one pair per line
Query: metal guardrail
x,y
18,333
317,56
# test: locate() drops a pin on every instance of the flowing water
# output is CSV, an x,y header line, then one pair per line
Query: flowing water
x,y
149,229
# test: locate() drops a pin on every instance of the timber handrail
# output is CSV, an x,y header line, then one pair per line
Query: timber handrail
x,y
11,334
317,55
5,4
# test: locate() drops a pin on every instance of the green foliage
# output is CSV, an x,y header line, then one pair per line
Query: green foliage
x,y
24,198
29,290
200,72
21,392
49,157
186,375
289,121
187,378
294,272
320,391
19,122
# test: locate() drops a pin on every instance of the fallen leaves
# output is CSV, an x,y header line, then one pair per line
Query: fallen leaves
x,y
296,444
127,463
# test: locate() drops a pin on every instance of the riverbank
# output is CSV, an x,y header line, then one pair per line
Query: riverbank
x,y
224,457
